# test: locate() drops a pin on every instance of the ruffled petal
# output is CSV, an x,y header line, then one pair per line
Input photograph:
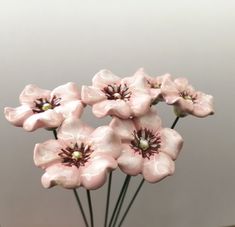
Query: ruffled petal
x,y
203,105
117,108
48,119
138,81
72,108
169,90
32,92
105,140
46,154
171,142
140,103
91,95
94,173
66,92
149,121
18,115
73,129
158,167
181,83
60,174
103,78
123,128
130,162
183,106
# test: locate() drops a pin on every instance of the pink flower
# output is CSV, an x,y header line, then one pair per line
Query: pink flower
x,y
155,85
45,109
81,156
148,148
111,95
185,99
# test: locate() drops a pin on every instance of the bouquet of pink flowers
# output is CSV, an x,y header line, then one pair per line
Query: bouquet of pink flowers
x,y
134,141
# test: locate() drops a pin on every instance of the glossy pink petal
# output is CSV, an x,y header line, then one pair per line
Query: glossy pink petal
x,y
105,140
138,81
123,128
74,129
140,103
130,162
181,83
73,108
66,92
48,119
183,106
31,93
149,121
91,95
203,106
94,174
17,116
103,78
46,153
171,142
60,174
158,167
117,108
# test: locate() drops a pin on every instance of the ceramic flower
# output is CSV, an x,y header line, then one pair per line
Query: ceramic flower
x,y
111,95
155,85
186,99
147,148
81,156
45,109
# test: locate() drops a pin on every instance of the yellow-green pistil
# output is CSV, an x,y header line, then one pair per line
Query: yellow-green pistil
x,y
77,155
47,106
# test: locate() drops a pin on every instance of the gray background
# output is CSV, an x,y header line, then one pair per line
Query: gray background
x,y
52,42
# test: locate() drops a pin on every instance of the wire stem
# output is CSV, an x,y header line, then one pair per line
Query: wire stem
x,y
90,207
108,199
119,199
81,208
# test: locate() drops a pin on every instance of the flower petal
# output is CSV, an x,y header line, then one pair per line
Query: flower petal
x,y
18,115
149,121
105,140
158,167
140,103
203,106
46,153
32,92
123,128
66,92
59,174
117,108
171,142
48,119
138,81
72,108
74,129
130,162
181,83
103,78
94,173
91,95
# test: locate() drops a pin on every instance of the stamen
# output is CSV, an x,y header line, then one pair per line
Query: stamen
x,y
42,104
145,142
116,92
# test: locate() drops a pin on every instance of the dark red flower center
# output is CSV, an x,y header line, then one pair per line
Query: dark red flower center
x,y
43,104
115,92
77,155
145,142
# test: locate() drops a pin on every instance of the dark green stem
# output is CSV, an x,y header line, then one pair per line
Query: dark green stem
x,y
81,208
90,207
131,202
108,199
127,179
121,203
